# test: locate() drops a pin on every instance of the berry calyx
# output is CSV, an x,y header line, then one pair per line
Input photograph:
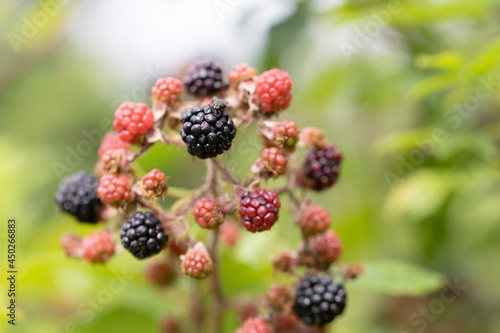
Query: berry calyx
x,y
274,161
321,167
207,213
205,78
143,235
154,184
327,248
255,325
274,88
319,300
115,190
196,263
167,89
259,210
77,195
287,133
240,73
99,247
313,220
132,121
208,131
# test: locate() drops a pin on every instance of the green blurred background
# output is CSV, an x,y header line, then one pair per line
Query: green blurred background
x,y
408,90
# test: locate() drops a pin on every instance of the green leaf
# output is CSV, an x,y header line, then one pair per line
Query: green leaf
x,y
398,278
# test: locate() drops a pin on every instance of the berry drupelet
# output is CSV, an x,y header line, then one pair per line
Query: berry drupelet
x,y
143,235
77,195
205,78
321,167
208,131
319,300
259,210
255,325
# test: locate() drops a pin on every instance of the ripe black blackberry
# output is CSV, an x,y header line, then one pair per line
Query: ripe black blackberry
x,y
319,300
143,235
208,130
321,167
77,195
205,78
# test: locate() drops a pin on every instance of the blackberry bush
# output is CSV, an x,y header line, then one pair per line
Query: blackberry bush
x,y
184,235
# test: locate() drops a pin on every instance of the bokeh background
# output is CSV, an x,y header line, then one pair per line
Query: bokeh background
x,y
408,90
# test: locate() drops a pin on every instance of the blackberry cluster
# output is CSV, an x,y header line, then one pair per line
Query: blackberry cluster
x,y
319,300
77,195
205,78
143,235
322,167
208,130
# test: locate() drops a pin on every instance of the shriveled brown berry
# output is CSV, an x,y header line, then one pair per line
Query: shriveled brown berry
x,y
274,161
279,296
285,262
154,184
113,161
241,72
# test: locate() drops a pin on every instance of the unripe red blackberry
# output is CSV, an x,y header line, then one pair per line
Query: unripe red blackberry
x,y
327,248
229,233
259,210
205,78
255,325
154,184
274,88
279,296
314,219
72,245
321,167
196,263
240,73
77,195
287,133
208,131
132,121
143,235
207,213
274,161
99,247
115,190
319,300
161,273
167,89
111,140
285,262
